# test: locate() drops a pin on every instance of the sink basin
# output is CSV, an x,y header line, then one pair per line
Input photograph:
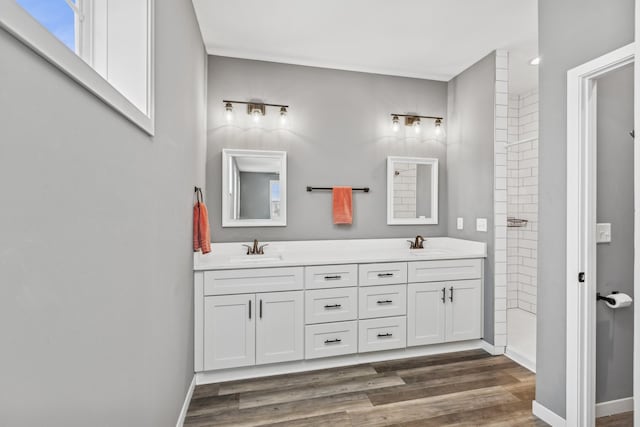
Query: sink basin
x,y
429,252
250,259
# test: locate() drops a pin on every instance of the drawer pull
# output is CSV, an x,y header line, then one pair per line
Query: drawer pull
x,y
385,274
385,301
338,277
333,306
334,341
249,309
444,295
451,296
388,334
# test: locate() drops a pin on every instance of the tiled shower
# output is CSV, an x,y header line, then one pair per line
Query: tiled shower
x,y
522,224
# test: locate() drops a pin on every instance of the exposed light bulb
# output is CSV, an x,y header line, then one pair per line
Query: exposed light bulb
x,y
417,126
256,113
228,114
395,123
283,116
535,61
438,127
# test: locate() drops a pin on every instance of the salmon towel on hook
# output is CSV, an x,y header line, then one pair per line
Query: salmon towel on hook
x,y
342,205
201,231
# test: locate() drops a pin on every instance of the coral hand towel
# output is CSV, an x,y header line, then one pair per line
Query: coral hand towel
x,y
342,205
201,231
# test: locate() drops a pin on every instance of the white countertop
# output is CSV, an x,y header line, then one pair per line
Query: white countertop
x,y
225,256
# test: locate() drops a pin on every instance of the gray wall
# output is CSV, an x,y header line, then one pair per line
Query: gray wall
x,y
339,134
470,163
571,32
614,359
255,190
96,249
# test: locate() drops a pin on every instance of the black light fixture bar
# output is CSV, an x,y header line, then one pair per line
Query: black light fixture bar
x,y
416,116
254,103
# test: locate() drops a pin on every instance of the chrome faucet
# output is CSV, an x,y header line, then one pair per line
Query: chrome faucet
x,y
417,244
255,249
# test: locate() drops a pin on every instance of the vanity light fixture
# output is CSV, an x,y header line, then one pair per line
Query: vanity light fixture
x,y
415,121
395,123
228,111
255,109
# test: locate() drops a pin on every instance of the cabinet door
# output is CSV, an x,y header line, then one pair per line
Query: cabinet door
x,y
464,304
279,327
229,331
426,313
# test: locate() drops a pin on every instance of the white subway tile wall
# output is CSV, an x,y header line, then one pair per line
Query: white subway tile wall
x,y
522,201
501,197
404,190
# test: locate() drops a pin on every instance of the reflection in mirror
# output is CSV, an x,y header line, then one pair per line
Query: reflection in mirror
x,y
412,190
254,188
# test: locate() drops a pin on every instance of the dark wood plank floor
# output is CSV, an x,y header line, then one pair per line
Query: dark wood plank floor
x,y
468,388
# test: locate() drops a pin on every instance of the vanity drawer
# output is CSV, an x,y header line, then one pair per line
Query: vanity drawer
x,y
226,282
382,334
331,339
443,270
387,273
330,276
379,301
331,305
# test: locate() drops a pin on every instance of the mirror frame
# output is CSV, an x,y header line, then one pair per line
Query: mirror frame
x,y
433,219
227,221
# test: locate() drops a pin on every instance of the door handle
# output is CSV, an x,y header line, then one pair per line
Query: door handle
x,y
333,306
249,309
388,334
444,295
337,340
261,309
385,274
385,301
338,277
451,296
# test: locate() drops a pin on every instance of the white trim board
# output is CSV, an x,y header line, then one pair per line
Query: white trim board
x,y
612,407
521,360
258,371
547,415
581,224
187,402
20,24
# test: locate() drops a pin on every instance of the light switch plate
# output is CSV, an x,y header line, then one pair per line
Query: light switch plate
x,y
603,233
460,223
481,224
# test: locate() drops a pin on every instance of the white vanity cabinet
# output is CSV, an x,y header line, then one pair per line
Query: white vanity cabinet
x,y
258,317
252,327
444,311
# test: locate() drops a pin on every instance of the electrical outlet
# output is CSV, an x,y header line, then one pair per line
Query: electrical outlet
x,y
460,223
603,233
481,224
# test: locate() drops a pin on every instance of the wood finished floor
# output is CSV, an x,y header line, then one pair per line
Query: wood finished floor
x,y
469,388
618,420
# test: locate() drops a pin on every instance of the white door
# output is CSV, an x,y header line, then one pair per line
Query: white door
x,y
463,316
280,327
229,331
426,313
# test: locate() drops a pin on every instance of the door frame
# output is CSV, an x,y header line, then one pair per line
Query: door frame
x,y
581,232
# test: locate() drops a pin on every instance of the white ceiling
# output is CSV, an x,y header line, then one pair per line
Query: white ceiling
x,y
432,39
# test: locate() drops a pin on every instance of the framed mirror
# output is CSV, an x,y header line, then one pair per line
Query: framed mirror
x,y
254,188
412,190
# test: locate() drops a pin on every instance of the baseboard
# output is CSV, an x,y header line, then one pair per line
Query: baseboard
x,y
613,407
521,360
187,401
257,371
548,415
495,350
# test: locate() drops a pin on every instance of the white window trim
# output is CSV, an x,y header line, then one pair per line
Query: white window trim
x,y
19,23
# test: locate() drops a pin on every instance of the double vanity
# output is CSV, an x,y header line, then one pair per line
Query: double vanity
x,y
312,304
